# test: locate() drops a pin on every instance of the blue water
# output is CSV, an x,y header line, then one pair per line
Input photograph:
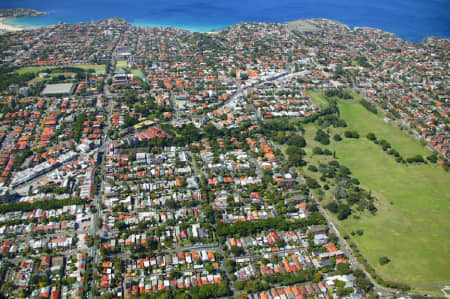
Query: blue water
x,y
410,19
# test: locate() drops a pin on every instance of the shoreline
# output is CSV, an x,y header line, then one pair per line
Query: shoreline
x,y
5,27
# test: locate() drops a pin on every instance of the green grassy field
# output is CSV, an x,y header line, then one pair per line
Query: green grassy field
x,y
99,68
138,73
318,98
66,74
121,64
412,226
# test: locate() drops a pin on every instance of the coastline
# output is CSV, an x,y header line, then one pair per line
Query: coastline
x,y
5,27
7,24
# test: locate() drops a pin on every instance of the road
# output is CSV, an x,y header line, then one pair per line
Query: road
x,y
95,254
237,96
381,291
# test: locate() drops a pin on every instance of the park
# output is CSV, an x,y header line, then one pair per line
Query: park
x,y
411,224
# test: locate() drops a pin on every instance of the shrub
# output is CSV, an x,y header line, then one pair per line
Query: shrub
x,y
415,159
369,106
384,144
432,158
327,152
371,136
317,151
351,134
322,137
384,260
337,137
312,168
332,207
344,211
296,140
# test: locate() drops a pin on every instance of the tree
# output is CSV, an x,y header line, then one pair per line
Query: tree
x,y
340,193
312,168
34,280
296,140
415,159
343,269
337,137
369,106
212,132
351,134
361,280
340,123
384,144
237,251
312,183
107,295
296,160
317,151
171,204
129,121
21,158
340,93
339,283
371,136
230,266
174,274
78,126
295,155
344,211
343,292
432,158
322,137
292,150
209,267
332,207
384,260
317,277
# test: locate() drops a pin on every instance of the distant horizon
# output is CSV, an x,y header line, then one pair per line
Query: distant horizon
x,y
410,20
205,29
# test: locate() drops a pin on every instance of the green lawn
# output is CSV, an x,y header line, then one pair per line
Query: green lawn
x,y
358,118
121,64
138,73
32,69
412,226
66,74
99,68
318,98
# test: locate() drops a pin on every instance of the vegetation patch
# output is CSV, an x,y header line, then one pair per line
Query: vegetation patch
x,y
369,106
411,199
122,64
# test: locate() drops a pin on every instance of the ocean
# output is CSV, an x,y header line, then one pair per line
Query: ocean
x,y
412,20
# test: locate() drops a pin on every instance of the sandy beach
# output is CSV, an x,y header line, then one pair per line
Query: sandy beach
x,y
6,27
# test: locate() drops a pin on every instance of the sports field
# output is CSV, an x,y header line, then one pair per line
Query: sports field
x,y
99,68
122,64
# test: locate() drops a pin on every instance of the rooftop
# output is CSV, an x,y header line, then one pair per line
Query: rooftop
x,y
61,88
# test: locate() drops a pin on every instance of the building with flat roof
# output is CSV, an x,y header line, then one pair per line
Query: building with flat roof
x,y
60,88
